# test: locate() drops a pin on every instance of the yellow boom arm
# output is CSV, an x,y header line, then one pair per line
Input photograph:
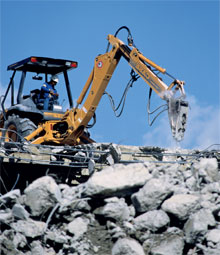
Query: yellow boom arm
x,y
76,119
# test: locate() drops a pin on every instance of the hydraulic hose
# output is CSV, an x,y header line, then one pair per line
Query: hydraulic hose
x,y
130,39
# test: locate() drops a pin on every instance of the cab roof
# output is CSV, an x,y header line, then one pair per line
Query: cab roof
x,y
43,65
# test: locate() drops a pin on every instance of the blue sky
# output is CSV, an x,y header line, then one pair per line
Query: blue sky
x,y
181,36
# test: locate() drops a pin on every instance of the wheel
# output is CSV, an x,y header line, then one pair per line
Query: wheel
x,y
16,128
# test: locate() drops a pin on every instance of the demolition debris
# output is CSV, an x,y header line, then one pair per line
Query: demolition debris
x,y
136,201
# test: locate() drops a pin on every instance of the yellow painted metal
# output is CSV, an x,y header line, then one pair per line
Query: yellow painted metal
x,y
53,114
104,67
39,140
86,87
77,119
35,133
150,62
148,76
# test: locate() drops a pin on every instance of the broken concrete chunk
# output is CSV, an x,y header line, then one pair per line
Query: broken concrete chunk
x,y
115,208
11,240
213,187
111,153
57,236
181,205
151,195
170,242
19,212
19,240
152,220
80,205
191,183
115,231
39,249
78,227
125,209
6,217
74,205
127,246
68,193
208,169
197,225
7,241
213,236
117,180
29,228
42,195
10,197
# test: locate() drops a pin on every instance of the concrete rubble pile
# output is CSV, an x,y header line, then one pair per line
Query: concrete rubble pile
x,y
155,207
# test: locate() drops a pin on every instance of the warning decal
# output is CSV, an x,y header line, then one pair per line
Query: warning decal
x,y
100,64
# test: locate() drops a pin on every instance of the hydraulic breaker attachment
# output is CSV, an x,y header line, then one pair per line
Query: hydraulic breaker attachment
x,y
178,113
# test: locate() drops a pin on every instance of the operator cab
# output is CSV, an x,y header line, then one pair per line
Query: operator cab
x,y
41,69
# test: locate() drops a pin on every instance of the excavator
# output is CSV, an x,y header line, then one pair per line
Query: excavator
x,y
27,121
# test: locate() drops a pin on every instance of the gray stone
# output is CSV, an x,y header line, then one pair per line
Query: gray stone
x,y
129,228
80,205
187,174
117,179
111,153
116,232
29,228
126,246
36,248
181,205
210,251
11,196
74,205
6,216
197,225
151,195
11,240
170,242
78,247
208,201
91,167
70,216
57,236
19,240
69,194
78,227
172,246
115,208
42,195
213,187
115,151
19,212
6,240
208,169
213,236
152,220
191,183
